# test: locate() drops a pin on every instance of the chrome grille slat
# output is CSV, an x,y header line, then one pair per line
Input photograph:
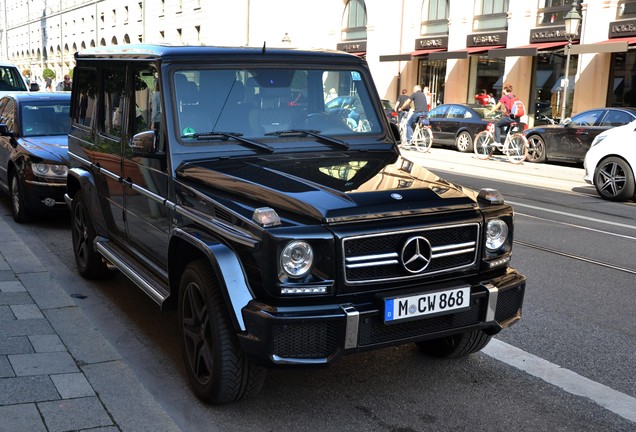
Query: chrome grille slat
x,y
377,257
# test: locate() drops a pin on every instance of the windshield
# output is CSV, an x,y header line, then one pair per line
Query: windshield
x,y
45,118
262,102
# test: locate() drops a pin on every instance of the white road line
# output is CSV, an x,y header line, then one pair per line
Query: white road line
x,y
615,401
572,215
576,226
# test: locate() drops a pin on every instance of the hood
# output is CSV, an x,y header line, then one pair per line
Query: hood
x,y
52,148
331,187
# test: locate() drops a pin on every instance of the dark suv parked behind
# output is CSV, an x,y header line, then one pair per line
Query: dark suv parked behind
x,y
283,233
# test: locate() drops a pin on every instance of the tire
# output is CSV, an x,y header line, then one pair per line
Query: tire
x,y
484,145
536,149
464,142
455,346
19,209
90,264
216,366
614,179
517,149
422,139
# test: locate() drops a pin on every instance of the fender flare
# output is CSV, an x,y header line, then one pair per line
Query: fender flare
x,y
227,268
82,179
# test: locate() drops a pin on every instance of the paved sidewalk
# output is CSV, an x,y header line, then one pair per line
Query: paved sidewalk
x,y
57,372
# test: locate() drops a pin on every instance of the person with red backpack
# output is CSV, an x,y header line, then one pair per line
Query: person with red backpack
x,y
511,107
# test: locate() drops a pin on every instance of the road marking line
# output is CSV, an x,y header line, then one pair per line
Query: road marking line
x,y
605,222
613,400
576,226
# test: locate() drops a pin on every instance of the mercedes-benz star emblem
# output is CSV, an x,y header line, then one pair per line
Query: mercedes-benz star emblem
x,y
416,254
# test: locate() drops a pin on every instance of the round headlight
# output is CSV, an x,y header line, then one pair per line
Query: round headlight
x,y
496,234
296,259
40,168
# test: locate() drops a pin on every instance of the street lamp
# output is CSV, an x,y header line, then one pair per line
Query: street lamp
x,y
572,21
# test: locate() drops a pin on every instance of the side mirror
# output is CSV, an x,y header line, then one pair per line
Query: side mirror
x,y
566,121
144,144
35,87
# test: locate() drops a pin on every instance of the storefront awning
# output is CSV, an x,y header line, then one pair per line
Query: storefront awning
x,y
608,46
408,56
462,54
526,50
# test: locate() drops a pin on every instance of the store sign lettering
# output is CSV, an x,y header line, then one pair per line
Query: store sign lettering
x,y
352,46
486,39
424,43
622,28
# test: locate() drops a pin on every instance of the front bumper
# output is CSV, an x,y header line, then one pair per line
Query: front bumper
x,y
42,195
320,335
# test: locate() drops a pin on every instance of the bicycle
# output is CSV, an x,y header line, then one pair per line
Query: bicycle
x,y
422,138
515,145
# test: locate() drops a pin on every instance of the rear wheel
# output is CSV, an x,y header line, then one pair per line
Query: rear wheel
x,y
217,368
614,179
536,149
89,263
422,139
18,207
456,345
464,142
517,149
484,145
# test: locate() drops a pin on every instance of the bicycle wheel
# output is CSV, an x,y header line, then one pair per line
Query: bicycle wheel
x,y
517,148
403,127
421,139
484,145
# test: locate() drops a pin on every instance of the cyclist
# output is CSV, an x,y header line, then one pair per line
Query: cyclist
x,y
420,103
505,106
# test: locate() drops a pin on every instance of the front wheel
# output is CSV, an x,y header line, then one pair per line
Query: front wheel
x,y
536,149
217,368
614,179
18,206
484,145
456,345
422,139
517,149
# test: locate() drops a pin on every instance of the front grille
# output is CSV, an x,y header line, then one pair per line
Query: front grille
x,y
508,303
306,340
374,331
381,257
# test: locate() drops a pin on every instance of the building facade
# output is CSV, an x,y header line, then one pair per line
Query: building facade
x,y
455,47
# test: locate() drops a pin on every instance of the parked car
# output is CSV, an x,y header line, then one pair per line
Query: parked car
x,y
571,139
610,163
11,80
281,236
33,151
391,113
457,124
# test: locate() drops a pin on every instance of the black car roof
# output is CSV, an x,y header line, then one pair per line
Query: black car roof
x,y
198,53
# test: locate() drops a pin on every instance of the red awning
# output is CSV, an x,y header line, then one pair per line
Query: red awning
x,y
480,49
426,51
629,40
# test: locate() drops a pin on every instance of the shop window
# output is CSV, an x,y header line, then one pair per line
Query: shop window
x,y
626,9
552,12
434,17
622,82
548,92
432,74
354,21
485,73
490,15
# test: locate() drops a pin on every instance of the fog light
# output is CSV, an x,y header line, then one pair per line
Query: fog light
x,y
304,290
49,202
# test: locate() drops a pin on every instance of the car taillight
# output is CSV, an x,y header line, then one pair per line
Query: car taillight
x,y
394,114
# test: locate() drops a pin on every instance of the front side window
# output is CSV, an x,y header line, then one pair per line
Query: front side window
x,y
266,103
490,14
434,17
552,12
354,21
589,118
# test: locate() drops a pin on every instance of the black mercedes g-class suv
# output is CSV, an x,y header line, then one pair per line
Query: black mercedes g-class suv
x,y
285,233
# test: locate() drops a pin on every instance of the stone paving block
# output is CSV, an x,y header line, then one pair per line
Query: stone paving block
x,y
6,371
74,414
26,390
27,311
11,298
19,257
15,345
7,275
45,291
47,343
8,234
42,363
72,385
6,313
146,414
4,266
25,327
82,339
21,418
12,286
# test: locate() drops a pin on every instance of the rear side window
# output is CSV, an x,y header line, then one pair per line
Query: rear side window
x,y
85,96
10,79
616,118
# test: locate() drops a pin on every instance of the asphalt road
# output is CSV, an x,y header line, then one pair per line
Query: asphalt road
x,y
567,366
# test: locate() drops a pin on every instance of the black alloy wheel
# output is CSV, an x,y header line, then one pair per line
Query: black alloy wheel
x,y
536,149
90,264
217,368
18,207
455,346
614,179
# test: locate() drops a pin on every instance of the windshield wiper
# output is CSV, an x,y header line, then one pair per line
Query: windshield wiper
x,y
218,135
310,132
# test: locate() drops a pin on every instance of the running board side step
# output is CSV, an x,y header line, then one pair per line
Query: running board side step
x,y
154,288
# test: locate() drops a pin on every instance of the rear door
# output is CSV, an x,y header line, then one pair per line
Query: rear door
x,y
437,119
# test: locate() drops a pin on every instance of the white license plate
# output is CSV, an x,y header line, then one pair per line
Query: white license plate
x,y
399,308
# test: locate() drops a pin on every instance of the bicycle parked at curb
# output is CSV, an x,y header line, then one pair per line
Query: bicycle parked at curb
x,y
515,146
422,138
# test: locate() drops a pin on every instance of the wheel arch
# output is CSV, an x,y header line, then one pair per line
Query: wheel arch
x,y
546,155
187,246
80,179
